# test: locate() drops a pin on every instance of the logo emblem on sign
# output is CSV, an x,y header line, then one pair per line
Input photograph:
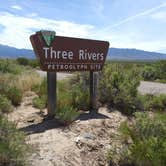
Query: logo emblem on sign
x,y
48,36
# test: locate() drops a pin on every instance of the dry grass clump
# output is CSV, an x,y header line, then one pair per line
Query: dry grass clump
x,y
25,81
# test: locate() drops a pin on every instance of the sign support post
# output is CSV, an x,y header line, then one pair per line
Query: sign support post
x,y
93,90
51,89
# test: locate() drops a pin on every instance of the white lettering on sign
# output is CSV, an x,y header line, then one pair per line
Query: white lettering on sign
x,y
85,55
50,53
82,54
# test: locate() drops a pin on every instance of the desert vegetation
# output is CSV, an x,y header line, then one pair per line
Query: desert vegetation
x,y
141,141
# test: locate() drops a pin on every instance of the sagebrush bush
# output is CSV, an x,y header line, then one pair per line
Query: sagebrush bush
x,y
5,104
149,73
23,61
79,90
15,95
40,102
67,114
34,63
13,148
118,87
143,141
9,66
155,71
64,97
153,102
28,62
26,80
40,88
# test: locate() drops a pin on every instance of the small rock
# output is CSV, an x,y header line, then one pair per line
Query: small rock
x,y
89,136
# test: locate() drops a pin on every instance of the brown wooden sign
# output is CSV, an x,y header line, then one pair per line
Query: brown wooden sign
x,y
57,53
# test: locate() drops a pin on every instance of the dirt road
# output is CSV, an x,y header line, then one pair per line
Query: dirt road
x,y
60,75
147,87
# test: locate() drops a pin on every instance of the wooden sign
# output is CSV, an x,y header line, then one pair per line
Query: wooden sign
x,y
57,53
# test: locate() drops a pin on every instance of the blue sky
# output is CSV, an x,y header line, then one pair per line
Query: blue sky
x,y
124,23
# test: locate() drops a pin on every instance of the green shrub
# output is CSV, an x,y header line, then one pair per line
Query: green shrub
x,y
5,105
153,103
13,149
67,114
118,87
149,73
79,91
41,89
40,102
63,95
144,141
15,95
23,61
9,66
34,63
155,71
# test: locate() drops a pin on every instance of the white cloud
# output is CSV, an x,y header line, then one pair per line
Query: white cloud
x,y
17,7
159,15
32,15
18,29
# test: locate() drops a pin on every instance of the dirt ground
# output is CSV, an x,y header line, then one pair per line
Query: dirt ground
x,y
84,143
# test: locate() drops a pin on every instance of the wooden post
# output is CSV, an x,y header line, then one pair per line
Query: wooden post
x,y
93,92
51,90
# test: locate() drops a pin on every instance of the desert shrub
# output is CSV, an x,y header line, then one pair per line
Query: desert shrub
x,y
41,88
9,66
153,102
74,92
143,141
34,63
149,73
26,81
5,104
118,87
66,114
64,97
13,149
28,62
40,102
79,91
155,71
15,95
23,61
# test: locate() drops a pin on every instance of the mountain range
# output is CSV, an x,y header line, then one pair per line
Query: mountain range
x,y
113,53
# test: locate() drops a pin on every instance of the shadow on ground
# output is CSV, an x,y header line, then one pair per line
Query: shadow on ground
x,y
54,123
93,115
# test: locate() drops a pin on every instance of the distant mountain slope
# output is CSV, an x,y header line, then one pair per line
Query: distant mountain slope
x,y
113,53
134,54
12,52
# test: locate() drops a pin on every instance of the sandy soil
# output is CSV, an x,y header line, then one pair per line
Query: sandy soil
x,y
84,143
